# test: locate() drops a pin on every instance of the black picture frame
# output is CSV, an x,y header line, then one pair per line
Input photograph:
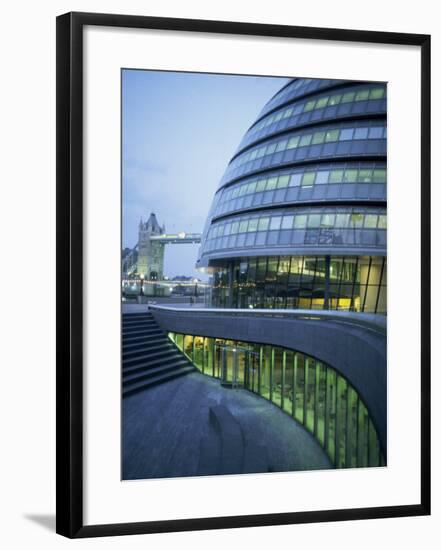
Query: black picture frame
x,y
69,292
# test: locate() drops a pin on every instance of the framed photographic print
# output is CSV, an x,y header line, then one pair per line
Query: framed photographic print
x,y
243,289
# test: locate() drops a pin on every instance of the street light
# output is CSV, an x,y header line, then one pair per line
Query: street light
x,y
141,291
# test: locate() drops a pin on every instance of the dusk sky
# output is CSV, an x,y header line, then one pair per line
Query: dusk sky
x,y
179,132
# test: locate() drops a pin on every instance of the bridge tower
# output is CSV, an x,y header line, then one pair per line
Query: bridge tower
x,y
150,253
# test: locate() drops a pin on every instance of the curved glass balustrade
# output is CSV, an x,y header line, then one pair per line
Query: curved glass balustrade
x,y
310,391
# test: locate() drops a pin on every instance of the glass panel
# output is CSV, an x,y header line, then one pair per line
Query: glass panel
x,y
336,176
293,142
320,403
295,180
332,135
361,95
299,367
265,372
308,179
277,376
275,222
300,221
263,224
363,433
331,412
322,177
351,444
341,429
198,352
309,406
305,140
288,386
346,134
374,450
282,145
188,346
283,181
321,102
348,97
318,137
287,222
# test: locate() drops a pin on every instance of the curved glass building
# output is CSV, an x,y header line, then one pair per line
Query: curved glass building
x,y
299,218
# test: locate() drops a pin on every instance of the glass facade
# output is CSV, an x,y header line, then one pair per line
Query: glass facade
x,y
341,102
362,138
300,216
342,226
311,392
307,282
337,181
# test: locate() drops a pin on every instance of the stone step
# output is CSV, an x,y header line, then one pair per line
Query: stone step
x,y
153,360
144,344
141,329
139,315
146,348
130,340
133,378
159,348
149,339
143,337
139,324
138,359
160,379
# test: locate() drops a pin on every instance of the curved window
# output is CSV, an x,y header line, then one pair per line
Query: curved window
x,y
362,137
336,181
301,227
310,391
343,283
297,88
342,102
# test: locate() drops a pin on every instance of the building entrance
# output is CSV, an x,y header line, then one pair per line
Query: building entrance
x,y
237,366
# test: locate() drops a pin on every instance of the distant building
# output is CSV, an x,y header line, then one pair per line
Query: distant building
x,y
150,253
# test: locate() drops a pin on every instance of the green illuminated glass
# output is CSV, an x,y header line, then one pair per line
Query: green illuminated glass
x,y
318,137
377,93
283,181
322,102
335,100
311,392
272,183
350,176
348,97
332,135
308,179
362,95
336,176
293,142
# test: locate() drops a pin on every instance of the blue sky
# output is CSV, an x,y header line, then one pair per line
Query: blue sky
x,y
179,132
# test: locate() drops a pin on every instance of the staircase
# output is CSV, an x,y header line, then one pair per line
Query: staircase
x,y
148,356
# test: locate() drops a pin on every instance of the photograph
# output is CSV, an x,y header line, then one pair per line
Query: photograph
x,y
253,274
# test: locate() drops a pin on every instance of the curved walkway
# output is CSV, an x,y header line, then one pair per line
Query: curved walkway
x,y
166,427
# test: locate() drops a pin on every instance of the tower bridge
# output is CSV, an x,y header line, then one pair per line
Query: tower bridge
x,y
146,258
